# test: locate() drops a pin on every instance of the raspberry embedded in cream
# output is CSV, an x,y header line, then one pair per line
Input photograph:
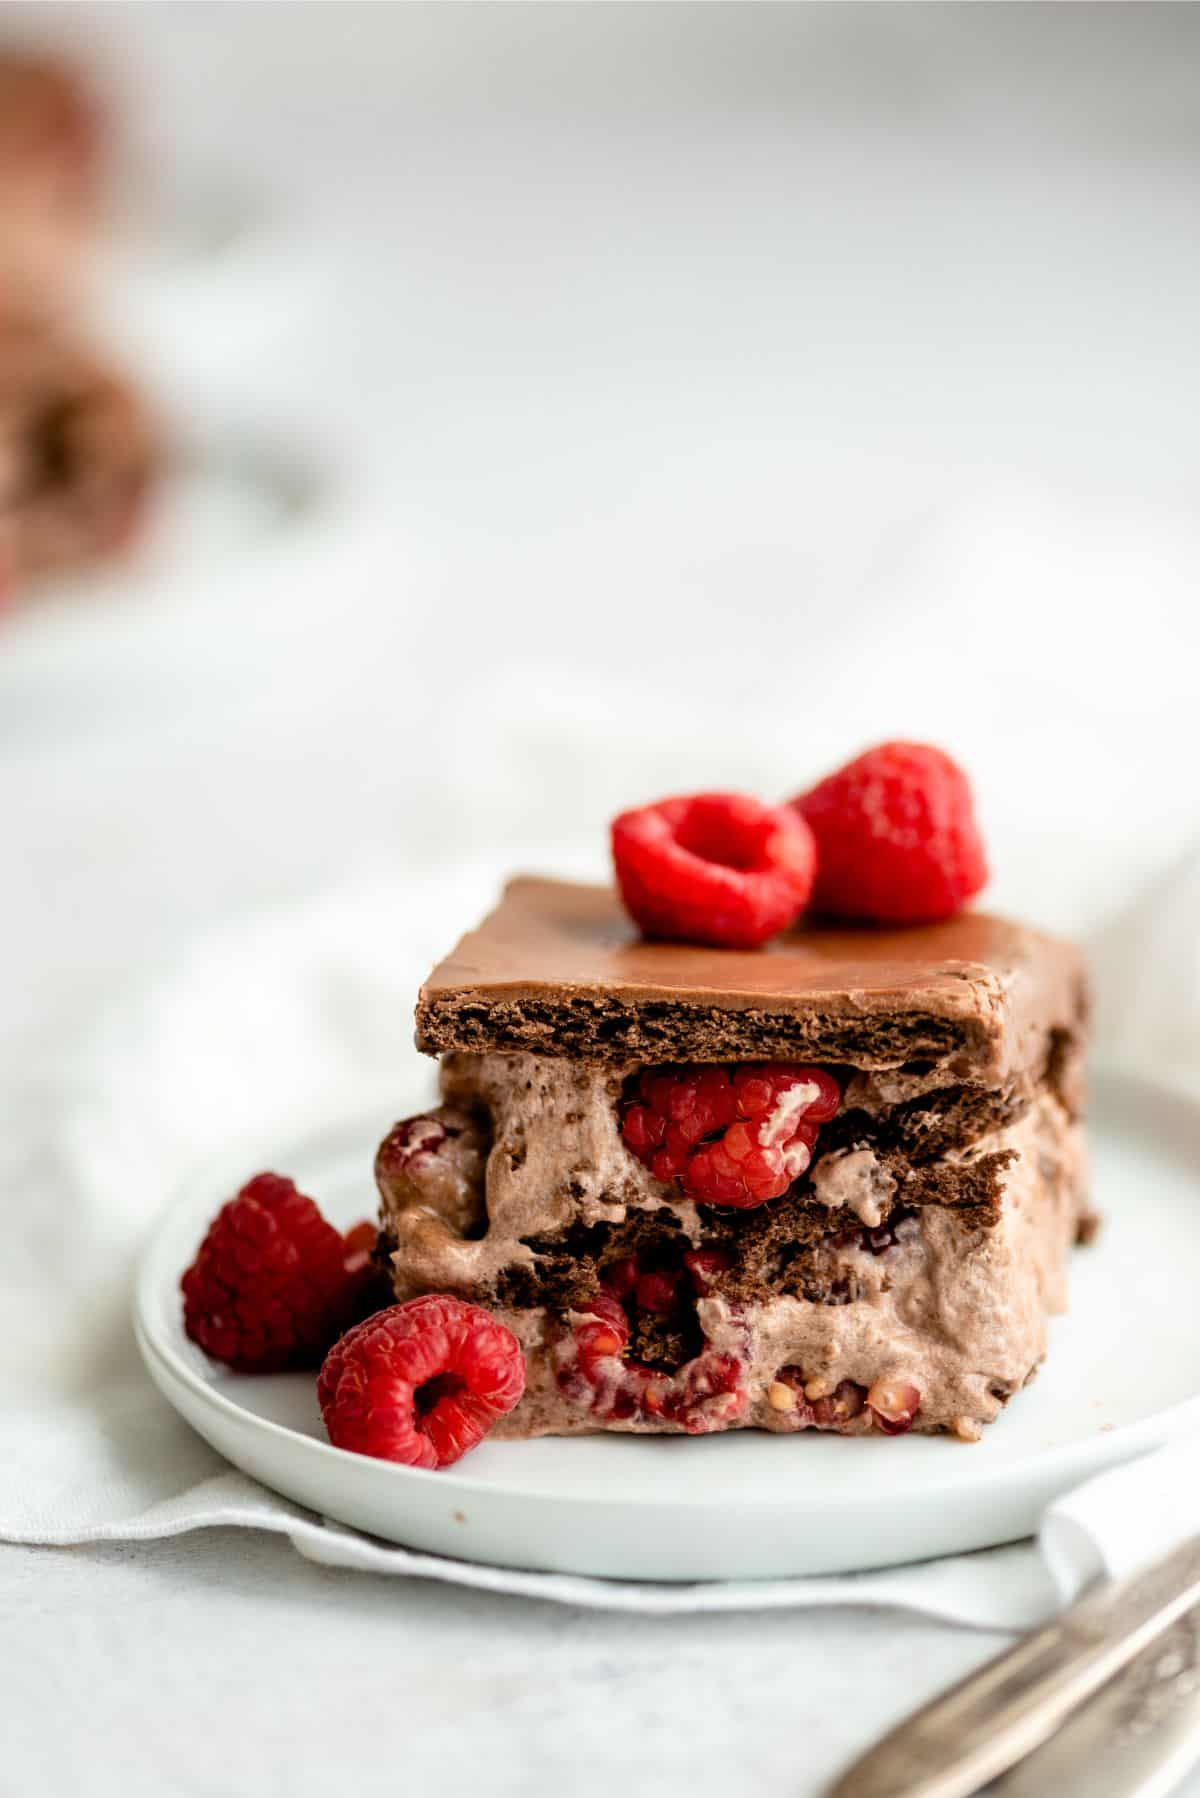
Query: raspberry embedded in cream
x,y
958,1310
730,1136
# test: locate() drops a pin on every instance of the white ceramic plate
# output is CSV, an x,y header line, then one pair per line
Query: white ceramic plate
x,y
1122,1374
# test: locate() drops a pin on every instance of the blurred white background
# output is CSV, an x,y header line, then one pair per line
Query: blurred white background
x,y
700,394
689,395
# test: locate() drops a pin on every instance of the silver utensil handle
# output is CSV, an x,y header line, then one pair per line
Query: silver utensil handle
x,y
1135,1738
999,1714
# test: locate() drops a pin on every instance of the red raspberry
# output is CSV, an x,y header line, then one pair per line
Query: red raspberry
x,y
714,868
730,1139
706,1393
368,1287
436,1162
895,1404
658,1292
705,1266
359,1245
897,841
620,1277
269,1288
421,1382
605,1332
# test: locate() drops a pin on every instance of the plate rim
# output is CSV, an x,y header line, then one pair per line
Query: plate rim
x,y
1062,1465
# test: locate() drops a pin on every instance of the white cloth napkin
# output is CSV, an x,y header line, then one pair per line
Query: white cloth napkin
x,y
283,1016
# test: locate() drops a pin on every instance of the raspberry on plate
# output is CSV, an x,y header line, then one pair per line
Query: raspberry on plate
x,y
368,1287
897,841
715,868
421,1382
730,1137
273,1283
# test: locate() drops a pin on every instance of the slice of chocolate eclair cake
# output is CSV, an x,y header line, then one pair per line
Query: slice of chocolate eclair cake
x,y
831,1184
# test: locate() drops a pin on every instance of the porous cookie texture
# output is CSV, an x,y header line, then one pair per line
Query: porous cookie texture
x,y
559,970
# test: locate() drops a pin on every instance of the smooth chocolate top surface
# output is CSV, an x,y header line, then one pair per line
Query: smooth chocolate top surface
x,y
559,968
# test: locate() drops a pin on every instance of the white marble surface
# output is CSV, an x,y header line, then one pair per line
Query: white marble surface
x,y
712,389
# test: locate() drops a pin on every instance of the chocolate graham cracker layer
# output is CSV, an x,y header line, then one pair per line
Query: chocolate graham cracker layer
x,y
558,969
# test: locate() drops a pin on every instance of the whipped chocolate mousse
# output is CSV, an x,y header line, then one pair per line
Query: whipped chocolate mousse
x,y
78,452
827,1185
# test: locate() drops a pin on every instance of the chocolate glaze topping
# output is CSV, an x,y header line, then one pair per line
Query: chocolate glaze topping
x,y
559,969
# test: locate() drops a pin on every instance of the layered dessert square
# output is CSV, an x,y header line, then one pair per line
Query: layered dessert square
x,y
831,1184
78,452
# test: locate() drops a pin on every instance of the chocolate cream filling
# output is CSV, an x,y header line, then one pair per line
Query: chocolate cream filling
x,y
920,1254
